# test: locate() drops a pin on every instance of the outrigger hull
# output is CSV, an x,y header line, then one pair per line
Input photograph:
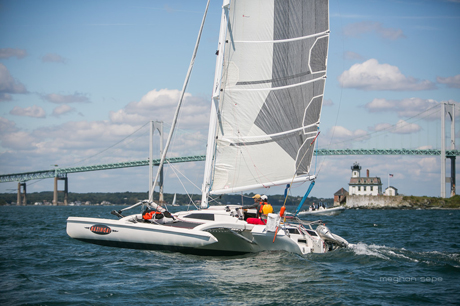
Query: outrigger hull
x,y
324,212
206,239
125,234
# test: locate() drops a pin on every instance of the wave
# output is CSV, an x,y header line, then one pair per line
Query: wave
x,y
401,254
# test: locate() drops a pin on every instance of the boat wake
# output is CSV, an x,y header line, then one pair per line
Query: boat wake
x,y
403,255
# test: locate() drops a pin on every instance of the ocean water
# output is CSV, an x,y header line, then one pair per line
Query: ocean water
x,y
398,257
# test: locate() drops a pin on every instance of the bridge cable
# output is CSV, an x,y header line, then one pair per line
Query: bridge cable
x,y
80,161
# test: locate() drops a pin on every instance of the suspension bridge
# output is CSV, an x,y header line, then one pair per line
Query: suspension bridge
x,y
62,173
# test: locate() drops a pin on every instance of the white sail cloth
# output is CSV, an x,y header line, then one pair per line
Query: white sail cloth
x,y
273,78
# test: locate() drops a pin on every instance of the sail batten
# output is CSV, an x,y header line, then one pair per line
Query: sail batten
x,y
285,40
271,93
271,81
268,137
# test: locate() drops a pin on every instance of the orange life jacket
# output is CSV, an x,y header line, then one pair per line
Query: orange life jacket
x,y
261,207
149,215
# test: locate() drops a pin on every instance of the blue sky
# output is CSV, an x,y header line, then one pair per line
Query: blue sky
x,y
78,77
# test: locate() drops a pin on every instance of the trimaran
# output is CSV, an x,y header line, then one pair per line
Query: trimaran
x,y
266,105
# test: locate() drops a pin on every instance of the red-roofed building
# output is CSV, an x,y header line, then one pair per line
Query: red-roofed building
x,y
340,197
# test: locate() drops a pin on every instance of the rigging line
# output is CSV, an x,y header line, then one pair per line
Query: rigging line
x,y
394,126
175,169
78,162
183,186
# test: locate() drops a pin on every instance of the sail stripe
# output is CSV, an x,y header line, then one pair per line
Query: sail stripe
x,y
272,80
279,87
261,137
325,33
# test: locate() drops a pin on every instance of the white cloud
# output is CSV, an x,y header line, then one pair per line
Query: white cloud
x,y
342,137
371,75
356,29
428,164
352,56
401,127
161,105
78,140
8,85
60,99
328,102
7,126
53,58
406,107
10,52
62,109
31,111
18,140
452,82
425,147
102,142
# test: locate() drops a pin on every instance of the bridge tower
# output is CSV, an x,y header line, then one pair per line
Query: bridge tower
x,y
449,108
65,191
156,125
22,195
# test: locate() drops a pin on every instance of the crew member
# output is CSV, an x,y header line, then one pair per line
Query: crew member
x,y
258,205
255,205
265,208
156,213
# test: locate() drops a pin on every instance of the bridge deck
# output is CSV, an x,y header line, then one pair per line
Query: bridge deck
x,y
62,172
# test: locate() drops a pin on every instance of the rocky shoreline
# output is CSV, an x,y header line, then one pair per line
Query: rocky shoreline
x,y
401,202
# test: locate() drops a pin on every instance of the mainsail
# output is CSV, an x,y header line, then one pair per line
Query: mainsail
x,y
270,93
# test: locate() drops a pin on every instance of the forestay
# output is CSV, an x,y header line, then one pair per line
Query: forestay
x,y
271,92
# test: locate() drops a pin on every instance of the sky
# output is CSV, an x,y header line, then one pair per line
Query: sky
x,y
81,80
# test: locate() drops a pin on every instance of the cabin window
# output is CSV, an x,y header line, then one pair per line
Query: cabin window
x,y
293,231
209,217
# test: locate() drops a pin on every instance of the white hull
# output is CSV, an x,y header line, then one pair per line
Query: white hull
x,y
226,235
123,233
323,212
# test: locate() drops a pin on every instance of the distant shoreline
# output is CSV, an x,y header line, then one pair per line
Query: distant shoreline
x,y
402,202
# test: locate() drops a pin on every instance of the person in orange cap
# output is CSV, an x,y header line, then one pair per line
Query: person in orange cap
x,y
255,205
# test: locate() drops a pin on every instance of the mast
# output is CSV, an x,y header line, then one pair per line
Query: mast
x,y
443,149
214,107
176,114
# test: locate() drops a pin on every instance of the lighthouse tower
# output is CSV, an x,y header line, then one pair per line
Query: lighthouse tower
x,y
356,170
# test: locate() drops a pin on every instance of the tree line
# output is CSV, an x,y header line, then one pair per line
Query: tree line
x,y
129,198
